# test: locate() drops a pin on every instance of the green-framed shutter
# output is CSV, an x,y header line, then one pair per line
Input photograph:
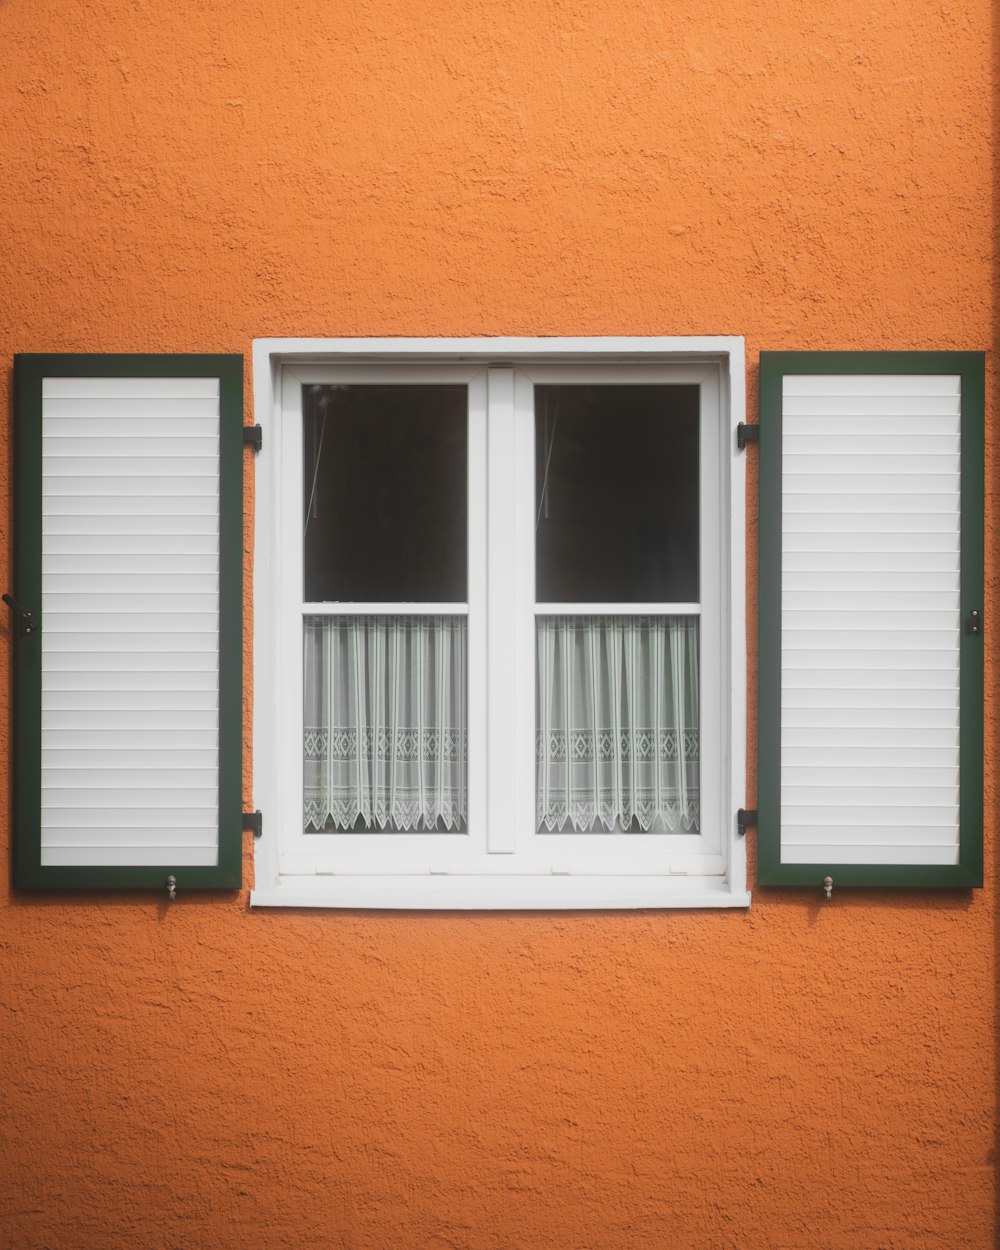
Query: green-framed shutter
x,y
128,553
871,602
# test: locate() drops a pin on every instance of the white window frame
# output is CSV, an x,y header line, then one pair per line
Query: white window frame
x,y
500,863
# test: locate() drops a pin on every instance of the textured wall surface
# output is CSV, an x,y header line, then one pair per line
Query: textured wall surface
x,y
805,1076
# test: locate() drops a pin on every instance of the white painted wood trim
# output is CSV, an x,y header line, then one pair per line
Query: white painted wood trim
x,y
713,626
617,609
505,674
447,892
264,480
301,357
334,608
478,608
734,469
560,350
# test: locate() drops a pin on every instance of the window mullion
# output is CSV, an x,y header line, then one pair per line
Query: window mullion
x,y
506,673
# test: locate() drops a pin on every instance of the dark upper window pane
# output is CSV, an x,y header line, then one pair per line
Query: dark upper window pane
x,y
616,494
385,486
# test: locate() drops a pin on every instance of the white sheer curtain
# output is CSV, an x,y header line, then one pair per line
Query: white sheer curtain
x,y
617,724
385,723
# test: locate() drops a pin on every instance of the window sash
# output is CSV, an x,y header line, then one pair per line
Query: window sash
x,y
501,835
375,847
711,609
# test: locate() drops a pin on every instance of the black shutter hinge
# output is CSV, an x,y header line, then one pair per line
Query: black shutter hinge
x,y
746,434
254,821
973,623
26,622
746,819
253,436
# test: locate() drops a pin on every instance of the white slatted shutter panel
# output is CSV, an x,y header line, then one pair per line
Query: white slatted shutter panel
x,y
127,457
873,461
869,622
130,713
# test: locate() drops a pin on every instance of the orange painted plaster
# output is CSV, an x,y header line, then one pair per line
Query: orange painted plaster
x,y
198,1076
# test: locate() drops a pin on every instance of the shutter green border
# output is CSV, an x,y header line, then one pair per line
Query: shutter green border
x,y
969,870
29,370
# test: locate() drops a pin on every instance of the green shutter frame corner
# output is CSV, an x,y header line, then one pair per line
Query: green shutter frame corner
x,y
29,371
968,872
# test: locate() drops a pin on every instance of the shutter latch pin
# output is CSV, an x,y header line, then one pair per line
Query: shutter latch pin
x,y
828,886
171,888
26,622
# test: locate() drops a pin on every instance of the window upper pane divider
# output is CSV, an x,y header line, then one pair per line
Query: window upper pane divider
x,y
618,609
385,609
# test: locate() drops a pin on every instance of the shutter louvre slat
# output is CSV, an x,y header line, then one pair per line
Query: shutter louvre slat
x,y
144,856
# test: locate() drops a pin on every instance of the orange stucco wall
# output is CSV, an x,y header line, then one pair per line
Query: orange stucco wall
x,y
805,1076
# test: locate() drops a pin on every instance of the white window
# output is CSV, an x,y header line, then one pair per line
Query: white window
x,y
499,637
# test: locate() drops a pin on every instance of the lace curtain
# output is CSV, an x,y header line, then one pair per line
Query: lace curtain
x,y
617,724
385,727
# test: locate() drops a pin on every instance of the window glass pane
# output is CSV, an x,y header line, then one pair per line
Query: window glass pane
x,y
616,494
385,486
616,738
385,739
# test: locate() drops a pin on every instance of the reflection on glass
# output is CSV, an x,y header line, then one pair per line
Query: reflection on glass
x,y
616,494
385,485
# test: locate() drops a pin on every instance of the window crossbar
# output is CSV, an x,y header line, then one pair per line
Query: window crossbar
x,y
618,609
385,609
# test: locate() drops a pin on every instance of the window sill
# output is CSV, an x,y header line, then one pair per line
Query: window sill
x,y
499,893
